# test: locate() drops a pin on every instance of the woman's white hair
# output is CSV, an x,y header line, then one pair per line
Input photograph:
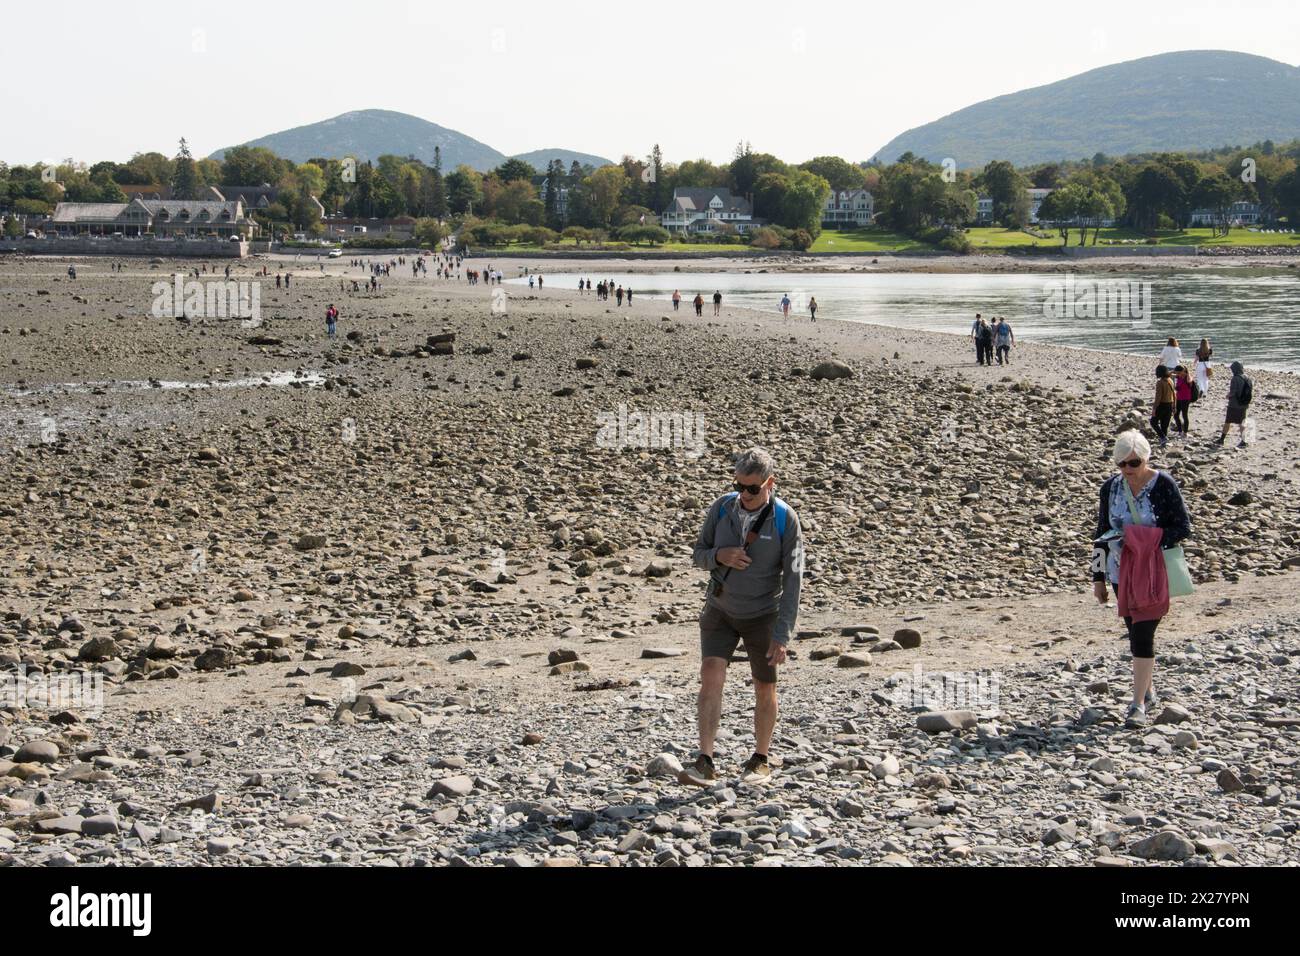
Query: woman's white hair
x,y
1129,443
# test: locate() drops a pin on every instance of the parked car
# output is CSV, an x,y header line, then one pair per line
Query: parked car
x,y
336,253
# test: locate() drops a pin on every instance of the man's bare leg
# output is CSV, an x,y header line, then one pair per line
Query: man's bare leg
x,y
713,675
765,710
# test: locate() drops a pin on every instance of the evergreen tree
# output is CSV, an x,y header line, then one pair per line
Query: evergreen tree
x,y
185,182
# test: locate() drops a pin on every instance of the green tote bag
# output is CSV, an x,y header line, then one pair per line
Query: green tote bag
x,y
1180,578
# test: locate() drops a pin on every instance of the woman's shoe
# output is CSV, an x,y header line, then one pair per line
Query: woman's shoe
x,y
1136,717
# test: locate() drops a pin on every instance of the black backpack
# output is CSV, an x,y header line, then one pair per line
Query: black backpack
x,y
1247,392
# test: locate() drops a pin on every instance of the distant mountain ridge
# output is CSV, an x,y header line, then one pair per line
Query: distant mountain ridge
x,y
369,134
1186,101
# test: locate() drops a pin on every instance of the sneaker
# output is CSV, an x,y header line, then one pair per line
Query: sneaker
x,y
756,768
1136,717
1151,701
699,774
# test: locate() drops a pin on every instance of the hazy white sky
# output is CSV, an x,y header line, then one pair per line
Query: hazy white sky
x,y
96,80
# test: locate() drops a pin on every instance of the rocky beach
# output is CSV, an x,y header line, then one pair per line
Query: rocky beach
x,y
422,594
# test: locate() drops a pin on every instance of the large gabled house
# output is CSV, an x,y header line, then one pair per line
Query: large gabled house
x,y
158,217
706,210
849,209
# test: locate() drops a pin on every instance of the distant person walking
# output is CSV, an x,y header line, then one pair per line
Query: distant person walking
x,y
699,304
331,317
1204,371
1185,395
1004,339
1149,499
1241,392
629,297
785,305
1171,356
812,307
1165,402
618,295
975,337
717,303
677,299
984,340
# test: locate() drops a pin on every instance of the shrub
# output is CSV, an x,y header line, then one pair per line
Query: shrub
x,y
765,238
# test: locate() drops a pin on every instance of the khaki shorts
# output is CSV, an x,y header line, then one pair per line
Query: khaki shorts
x,y
720,633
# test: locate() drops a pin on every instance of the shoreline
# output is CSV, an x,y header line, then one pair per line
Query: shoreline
x,y
749,260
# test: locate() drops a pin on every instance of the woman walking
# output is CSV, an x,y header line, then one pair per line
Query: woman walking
x,y
1171,356
1166,401
1203,372
1137,496
812,307
1183,394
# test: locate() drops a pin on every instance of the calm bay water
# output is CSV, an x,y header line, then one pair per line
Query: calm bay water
x,y
1248,314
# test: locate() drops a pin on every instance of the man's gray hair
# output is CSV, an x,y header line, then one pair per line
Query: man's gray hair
x,y
755,462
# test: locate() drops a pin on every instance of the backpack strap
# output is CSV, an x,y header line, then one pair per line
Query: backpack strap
x,y
780,515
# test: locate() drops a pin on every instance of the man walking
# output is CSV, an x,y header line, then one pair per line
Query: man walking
x,y
1241,392
1005,339
752,547
785,306
975,337
717,303
331,317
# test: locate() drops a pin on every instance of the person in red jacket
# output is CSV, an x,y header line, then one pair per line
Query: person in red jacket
x,y
1158,503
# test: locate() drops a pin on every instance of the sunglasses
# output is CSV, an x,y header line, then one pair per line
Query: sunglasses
x,y
1131,463
752,490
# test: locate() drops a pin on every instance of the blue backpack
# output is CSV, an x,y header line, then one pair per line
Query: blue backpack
x,y
780,512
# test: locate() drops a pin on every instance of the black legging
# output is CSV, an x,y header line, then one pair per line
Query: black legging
x,y
1181,424
1141,636
1160,420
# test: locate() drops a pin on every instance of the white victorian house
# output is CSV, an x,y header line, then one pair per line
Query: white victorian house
x,y
849,209
705,210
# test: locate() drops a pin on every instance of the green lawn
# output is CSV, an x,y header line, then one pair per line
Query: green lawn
x,y
996,237
866,240
1190,237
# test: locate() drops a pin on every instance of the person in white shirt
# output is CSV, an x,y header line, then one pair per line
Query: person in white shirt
x,y
1171,356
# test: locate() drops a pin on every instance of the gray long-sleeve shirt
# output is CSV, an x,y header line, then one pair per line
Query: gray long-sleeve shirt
x,y
773,580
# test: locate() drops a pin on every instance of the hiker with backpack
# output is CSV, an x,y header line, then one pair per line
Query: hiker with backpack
x,y
1241,392
752,546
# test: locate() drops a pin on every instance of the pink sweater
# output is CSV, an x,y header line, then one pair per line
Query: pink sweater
x,y
1143,590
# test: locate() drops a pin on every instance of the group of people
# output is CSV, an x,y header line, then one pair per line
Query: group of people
x,y
752,547
1178,388
787,304
489,276
989,336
